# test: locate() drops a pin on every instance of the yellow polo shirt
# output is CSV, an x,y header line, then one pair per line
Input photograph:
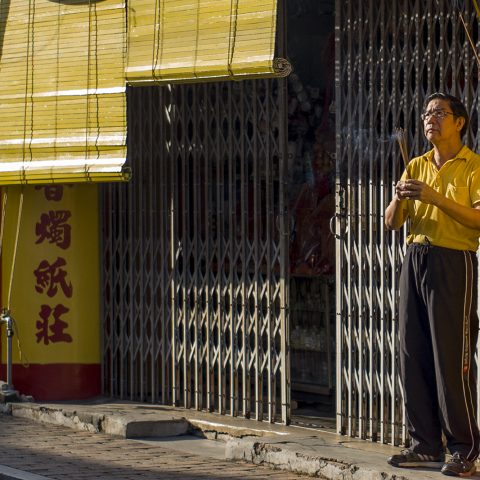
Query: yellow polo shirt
x,y
457,179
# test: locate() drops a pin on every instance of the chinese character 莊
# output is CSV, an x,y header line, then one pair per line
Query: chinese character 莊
x,y
52,331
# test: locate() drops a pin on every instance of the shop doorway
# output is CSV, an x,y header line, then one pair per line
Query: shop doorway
x,y
311,201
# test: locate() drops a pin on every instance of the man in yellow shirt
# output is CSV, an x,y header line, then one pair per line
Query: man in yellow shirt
x,y
438,325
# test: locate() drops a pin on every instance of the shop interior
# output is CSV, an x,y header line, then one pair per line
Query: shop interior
x,y
311,196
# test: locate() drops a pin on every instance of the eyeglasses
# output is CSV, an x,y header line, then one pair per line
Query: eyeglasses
x,y
437,114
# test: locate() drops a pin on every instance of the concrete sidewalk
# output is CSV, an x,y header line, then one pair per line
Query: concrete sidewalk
x,y
296,449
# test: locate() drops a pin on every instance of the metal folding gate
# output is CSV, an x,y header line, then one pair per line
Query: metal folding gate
x,y
195,252
389,56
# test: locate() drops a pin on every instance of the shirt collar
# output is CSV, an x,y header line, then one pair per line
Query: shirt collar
x,y
461,155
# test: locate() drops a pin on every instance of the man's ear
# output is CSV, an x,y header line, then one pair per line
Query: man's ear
x,y
460,123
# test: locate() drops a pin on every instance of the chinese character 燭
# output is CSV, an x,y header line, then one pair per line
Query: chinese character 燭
x,y
53,227
52,332
50,276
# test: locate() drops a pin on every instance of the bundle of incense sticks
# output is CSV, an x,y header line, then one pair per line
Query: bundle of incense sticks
x,y
402,143
474,48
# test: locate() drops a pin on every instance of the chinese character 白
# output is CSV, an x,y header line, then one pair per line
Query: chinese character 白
x,y
52,331
53,226
49,276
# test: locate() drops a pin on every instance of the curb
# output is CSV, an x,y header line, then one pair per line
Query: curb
x,y
116,425
130,425
290,459
7,473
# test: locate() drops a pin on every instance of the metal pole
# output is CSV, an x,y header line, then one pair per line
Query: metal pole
x,y
6,389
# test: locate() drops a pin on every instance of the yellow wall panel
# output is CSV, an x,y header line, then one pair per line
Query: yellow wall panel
x,y
56,265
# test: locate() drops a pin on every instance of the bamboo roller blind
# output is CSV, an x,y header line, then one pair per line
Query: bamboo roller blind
x,y
62,96
188,40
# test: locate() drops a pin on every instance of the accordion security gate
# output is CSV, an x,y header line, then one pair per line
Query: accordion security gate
x,y
390,55
195,252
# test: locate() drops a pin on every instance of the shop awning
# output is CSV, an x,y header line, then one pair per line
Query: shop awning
x,y
62,95
194,40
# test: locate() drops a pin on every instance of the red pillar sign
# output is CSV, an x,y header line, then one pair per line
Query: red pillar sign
x,y
55,291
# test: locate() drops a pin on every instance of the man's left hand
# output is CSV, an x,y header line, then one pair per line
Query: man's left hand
x,y
416,190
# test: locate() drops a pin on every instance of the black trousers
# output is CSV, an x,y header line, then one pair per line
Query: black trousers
x,y
438,328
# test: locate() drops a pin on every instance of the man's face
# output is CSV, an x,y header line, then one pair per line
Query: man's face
x,y
438,129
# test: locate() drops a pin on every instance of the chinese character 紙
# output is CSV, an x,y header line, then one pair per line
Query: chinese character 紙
x,y
53,226
52,192
52,331
50,276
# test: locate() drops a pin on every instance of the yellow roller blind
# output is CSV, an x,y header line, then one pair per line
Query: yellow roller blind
x,y
188,40
62,95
